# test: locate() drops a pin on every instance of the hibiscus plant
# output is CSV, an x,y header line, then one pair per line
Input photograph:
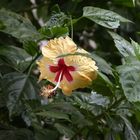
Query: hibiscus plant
x,y
69,70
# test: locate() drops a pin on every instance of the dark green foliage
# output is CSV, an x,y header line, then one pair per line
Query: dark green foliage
x,y
103,17
109,109
17,26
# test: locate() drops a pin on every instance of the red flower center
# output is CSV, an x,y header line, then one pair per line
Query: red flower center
x,y
63,70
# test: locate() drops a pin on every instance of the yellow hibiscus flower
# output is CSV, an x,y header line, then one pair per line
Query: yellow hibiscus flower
x,y
69,72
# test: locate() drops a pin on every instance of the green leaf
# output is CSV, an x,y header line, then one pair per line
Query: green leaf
x,y
57,19
93,102
123,46
102,64
54,31
130,80
18,26
17,86
28,114
130,134
98,99
54,114
124,109
136,48
115,123
69,110
103,17
17,58
31,47
106,79
104,82
65,130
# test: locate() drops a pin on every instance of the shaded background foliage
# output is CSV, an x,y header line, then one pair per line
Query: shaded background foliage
x,y
109,109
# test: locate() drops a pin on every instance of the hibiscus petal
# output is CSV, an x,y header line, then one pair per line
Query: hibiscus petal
x,y
71,68
59,46
79,81
54,69
85,72
61,62
76,71
68,76
43,66
58,75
